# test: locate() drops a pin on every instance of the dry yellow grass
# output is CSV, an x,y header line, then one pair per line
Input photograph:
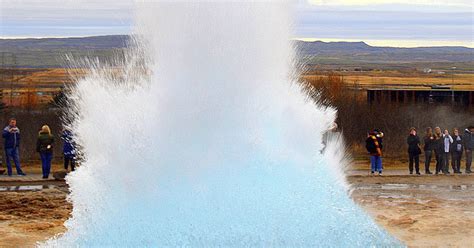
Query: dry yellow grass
x,y
53,76
391,78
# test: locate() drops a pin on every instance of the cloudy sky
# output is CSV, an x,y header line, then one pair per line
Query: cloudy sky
x,y
378,22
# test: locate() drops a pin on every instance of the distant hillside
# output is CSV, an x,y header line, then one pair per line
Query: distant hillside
x,y
51,44
361,52
50,52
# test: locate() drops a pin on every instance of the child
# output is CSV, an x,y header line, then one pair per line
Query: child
x,y
69,150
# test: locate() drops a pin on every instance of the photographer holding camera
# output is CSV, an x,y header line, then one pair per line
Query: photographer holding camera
x,y
374,147
11,134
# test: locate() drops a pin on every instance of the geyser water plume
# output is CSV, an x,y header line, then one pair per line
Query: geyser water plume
x,y
217,145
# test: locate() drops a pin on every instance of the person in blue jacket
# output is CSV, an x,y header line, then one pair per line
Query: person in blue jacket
x,y
69,150
11,135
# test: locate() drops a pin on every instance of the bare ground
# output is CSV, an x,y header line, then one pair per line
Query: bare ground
x,y
421,211
31,216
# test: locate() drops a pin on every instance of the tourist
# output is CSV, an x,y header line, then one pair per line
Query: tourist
x,y
469,146
11,134
428,148
438,149
69,150
456,151
414,151
374,146
447,141
44,146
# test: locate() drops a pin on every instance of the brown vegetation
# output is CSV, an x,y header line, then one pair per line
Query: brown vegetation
x,y
29,123
356,117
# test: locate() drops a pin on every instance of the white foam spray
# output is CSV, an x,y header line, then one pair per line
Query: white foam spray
x,y
217,145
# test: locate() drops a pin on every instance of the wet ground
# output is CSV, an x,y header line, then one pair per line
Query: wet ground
x,y
421,211
31,212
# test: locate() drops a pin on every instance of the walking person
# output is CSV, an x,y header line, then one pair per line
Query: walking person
x,y
11,135
438,146
44,146
69,150
468,138
456,151
428,148
414,151
447,141
374,146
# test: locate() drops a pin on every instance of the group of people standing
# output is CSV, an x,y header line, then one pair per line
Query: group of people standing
x,y
44,146
441,145
444,147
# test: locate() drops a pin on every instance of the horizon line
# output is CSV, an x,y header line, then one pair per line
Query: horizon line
x,y
371,42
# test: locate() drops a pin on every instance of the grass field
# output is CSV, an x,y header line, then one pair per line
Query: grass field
x,y
50,80
397,79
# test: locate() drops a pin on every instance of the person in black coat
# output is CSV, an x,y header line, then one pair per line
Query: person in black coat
x,y
456,151
428,148
468,138
44,146
438,147
414,150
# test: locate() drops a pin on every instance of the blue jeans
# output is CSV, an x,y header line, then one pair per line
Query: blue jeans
x,y
376,163
46,158
13,153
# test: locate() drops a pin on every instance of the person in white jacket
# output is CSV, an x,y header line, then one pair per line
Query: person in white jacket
x,y
447,140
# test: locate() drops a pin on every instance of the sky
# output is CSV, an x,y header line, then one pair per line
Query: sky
x,y
402,23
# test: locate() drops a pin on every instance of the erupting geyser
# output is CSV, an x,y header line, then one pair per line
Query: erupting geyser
x,y
216,145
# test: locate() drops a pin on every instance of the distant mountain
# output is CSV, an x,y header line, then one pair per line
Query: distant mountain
x,y
360,51
75,43
359,47
50,52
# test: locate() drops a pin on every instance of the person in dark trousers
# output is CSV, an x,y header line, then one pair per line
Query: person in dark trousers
x,y
438,146
428,148
447,141
69,150
468,138
11,134
414,151
44,146
374,146
456,151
